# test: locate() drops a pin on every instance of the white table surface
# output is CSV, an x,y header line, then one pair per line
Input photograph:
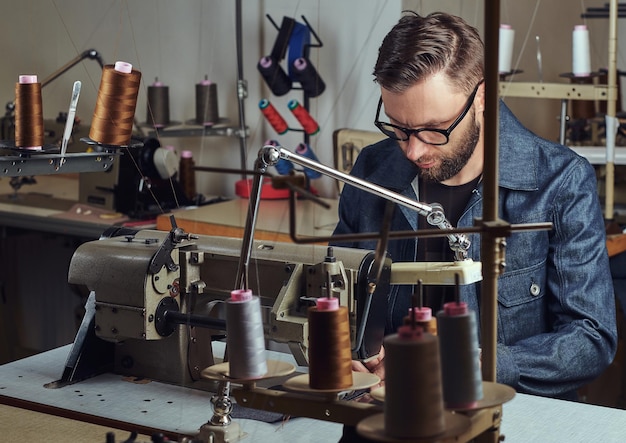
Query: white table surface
x,y
183,410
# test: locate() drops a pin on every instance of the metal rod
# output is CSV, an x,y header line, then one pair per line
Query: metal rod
x,y
182,318
248,234
242,91
270,155
563,121
610,111
268,158
489,243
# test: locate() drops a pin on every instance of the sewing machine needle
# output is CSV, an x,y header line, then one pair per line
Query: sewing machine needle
x,y
69,124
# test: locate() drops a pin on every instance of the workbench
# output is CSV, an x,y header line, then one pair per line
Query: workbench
x,y
145,406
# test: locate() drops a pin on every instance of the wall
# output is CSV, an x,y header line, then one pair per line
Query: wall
x,y
182,41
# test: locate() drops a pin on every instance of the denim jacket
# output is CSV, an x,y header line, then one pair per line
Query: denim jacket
x,y
556,308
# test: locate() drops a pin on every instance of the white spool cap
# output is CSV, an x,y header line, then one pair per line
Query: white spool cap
x,y
24,79
581,64
124,67
505,48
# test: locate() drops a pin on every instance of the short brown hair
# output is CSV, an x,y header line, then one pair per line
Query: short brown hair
x,y
418,47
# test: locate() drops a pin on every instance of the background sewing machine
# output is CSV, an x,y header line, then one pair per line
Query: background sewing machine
x,y
143,184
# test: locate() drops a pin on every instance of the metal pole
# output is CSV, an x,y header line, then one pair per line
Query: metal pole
x,y
489,242
610,112
242,91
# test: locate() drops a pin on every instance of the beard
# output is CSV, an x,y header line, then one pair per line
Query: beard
x,y
452,162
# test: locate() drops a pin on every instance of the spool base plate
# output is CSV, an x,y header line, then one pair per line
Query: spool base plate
x,y
494,394
221,372
360,380
373,427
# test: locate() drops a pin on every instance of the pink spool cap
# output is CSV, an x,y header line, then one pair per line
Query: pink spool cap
x,y
265,62
27,79
123,67
186,154
453,309
241,295
422,314
327,303
300,64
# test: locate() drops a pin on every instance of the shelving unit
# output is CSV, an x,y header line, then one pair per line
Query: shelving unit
x,y
567,92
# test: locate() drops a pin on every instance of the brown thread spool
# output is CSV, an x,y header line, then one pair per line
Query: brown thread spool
x,y
207,113
330,357
29,133
158,105
413,390
114,115
187,175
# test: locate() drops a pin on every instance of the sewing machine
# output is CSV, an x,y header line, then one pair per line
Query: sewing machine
x,y
156,296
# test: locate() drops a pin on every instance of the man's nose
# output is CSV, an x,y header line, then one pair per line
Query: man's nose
x,y
415,148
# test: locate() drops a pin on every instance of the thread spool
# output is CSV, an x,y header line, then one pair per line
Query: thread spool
x,y
244,336
330,357
273,117
423,319
505,48
460,359
158,105
305,73
187,174
308,123
114,114
581,63
413,391
305,150
29,132
207,112
284,167
275,77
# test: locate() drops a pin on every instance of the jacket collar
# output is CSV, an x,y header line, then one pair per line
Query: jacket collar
x,y
517,158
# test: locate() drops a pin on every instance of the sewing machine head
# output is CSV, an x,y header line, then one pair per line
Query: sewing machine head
x,y
155,293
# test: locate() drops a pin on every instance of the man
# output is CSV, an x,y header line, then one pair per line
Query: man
x,y
556,313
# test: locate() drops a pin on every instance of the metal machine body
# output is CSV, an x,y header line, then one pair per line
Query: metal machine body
x,y
156,293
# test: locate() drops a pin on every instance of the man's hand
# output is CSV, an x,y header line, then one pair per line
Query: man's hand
x,y
375,365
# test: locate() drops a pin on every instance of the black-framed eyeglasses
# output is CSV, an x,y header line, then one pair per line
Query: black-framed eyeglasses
x,y
431,136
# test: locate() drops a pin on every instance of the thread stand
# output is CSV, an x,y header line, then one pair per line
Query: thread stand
x,y
361,380
305,52
221,428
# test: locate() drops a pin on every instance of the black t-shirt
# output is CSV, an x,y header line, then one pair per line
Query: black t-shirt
x,y
453,199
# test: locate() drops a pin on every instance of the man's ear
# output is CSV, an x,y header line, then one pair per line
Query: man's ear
x,y
480,98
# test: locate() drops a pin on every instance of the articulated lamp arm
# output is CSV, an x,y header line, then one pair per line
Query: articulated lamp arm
x,y
459,243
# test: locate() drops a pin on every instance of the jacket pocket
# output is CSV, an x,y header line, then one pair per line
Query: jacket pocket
x,y
522,303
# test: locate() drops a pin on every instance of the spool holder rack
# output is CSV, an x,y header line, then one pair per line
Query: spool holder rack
x,y
22,162
305,53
